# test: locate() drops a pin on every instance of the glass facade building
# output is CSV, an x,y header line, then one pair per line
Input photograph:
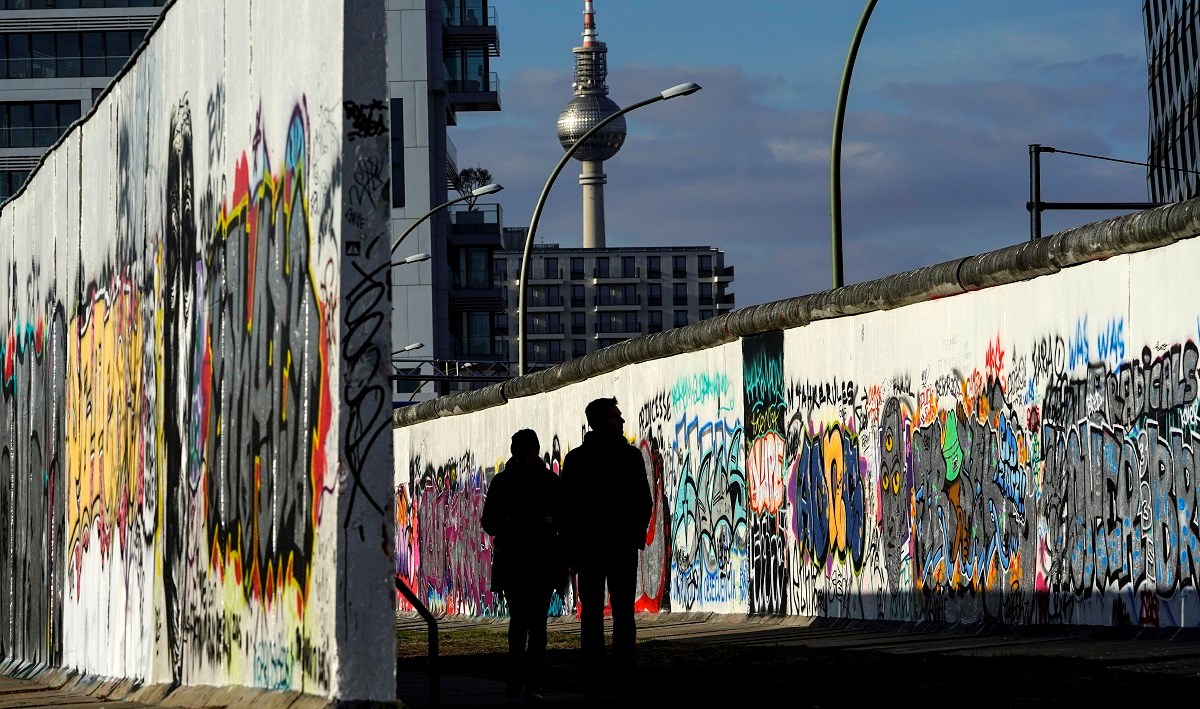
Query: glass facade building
x,y
56,57
1173,61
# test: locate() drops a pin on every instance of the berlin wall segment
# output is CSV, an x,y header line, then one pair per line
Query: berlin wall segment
x,y
964,459
188,491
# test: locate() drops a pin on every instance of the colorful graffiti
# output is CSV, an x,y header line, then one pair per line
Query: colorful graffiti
x,y
1051,483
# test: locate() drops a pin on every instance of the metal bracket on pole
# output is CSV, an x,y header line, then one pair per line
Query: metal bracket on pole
x,y
1035,206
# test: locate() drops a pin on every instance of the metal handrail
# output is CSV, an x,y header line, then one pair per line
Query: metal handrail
x,y
435,694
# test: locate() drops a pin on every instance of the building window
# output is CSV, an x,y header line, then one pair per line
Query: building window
x,y
628,267
578,324
501,327
48,55
546,297
705,266
679,267
11,181
397,120
474,333
474,270
680,318
547,351
576,268
706,314
37,124
500,270
706,294
655,321
654,297
654,267
681,296
550,268
578,348
602,267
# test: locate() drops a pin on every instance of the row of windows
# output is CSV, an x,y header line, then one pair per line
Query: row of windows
x,y
48,55
73,4
35,124
624,267
554,350
553,323
551,296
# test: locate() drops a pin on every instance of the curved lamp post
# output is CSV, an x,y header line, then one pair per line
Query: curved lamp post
x,y
679,90
478,192
835,155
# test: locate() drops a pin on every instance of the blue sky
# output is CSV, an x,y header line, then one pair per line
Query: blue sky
x,y
945,99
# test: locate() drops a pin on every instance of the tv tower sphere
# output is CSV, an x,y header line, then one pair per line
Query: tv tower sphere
x,y
583,112
591,103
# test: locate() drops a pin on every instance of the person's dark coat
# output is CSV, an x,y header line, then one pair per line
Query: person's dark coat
x,y
607,498
522,511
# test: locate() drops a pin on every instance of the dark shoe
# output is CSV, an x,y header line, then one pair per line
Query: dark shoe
x,y
513,690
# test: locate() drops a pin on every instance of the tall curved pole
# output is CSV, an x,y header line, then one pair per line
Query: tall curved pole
x,y
680,90
835,155
486,189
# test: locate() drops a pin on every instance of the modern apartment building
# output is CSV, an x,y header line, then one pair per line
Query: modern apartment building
x,y
439,65
1173,60
56,57
582,299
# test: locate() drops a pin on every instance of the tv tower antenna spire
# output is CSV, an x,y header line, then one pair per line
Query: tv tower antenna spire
x,y
591,105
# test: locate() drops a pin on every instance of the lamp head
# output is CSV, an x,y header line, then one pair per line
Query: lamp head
x,y
680,90
410,348
415,258
486,189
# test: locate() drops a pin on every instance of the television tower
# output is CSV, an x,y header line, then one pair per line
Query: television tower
x,y
590,106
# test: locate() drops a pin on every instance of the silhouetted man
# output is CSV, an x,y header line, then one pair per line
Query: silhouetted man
x,y
606,512
521,511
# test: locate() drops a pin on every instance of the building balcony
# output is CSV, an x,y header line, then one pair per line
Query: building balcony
x,y
473,299
605,305
539,275
725,302
545,332
724,275
477,93
544,303
610,330
476,227
470,24
617,276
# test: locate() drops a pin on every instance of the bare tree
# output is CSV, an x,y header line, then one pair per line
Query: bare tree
x,y
468,180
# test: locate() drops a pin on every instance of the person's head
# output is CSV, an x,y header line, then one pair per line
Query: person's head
x,y
603,415
525,445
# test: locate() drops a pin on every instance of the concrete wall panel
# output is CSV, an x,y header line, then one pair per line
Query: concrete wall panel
x,y
1021,454
173,415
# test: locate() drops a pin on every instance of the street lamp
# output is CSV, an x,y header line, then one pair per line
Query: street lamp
x,y
409,348
478,192
415,258
835,155
679,90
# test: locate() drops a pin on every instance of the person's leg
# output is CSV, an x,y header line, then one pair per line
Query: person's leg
x,y
518,632
591,624
622,586
535,658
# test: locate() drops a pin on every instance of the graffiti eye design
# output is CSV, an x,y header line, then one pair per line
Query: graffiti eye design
x,y
887,442
896,482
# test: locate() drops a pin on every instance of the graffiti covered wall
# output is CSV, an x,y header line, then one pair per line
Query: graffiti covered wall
x,y
1020,454
174,412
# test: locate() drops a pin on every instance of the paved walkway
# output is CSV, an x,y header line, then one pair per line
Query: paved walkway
x,y
1103,662
859,657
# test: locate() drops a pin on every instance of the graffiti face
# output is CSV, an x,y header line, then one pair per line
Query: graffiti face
x,y
895,490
